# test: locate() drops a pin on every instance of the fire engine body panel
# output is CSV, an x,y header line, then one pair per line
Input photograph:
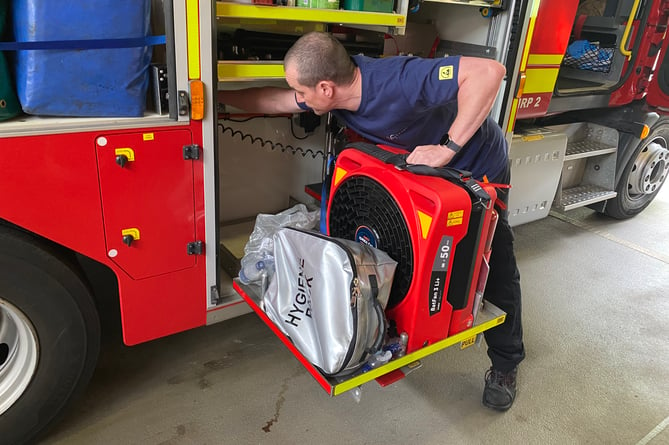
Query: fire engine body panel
x,y
85,201
153,199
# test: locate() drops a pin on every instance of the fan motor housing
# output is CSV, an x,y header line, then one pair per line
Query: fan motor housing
x,y
439,235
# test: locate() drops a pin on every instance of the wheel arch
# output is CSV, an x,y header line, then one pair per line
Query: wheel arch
x,y
82,264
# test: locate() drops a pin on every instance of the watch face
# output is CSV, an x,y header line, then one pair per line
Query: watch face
x,y
445,139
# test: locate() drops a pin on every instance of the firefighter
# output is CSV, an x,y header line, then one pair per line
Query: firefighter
x,y
437,109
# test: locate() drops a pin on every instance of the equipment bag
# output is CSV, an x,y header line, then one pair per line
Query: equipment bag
x,y
328,296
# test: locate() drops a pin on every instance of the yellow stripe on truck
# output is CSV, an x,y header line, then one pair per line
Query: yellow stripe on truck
x,y
544,59
540,80
193,32
530,31
512,117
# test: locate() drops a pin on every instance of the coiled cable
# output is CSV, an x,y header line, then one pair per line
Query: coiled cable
x,y
287,148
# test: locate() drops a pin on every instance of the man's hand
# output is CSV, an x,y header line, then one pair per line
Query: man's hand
x,y
432,155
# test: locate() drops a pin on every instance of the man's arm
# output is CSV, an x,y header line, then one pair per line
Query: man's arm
x,y
478,83
265,100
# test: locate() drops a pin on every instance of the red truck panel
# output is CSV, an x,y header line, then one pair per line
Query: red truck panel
x,y
52,186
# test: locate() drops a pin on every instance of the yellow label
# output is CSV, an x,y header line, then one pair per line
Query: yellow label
x,y
148,136
532,137
455,218
416,364
446,72
468,342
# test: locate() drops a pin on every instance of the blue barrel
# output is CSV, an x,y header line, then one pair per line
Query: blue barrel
x,y
88,82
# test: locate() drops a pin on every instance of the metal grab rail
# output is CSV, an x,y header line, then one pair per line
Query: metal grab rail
x,y
623,43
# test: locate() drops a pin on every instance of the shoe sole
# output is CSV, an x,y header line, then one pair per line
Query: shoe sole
x,y
497,407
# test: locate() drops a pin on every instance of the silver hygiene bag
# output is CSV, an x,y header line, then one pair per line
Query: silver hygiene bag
x,y
328,296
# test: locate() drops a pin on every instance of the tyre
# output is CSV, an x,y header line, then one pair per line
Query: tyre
x,y
643,174
49,336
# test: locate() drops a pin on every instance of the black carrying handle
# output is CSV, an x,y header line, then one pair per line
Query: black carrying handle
x,y
383,323
399,160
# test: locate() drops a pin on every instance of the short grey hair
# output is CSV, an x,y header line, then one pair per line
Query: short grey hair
x,y
319,56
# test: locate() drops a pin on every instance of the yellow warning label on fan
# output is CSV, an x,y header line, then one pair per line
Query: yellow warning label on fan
x,y
454,218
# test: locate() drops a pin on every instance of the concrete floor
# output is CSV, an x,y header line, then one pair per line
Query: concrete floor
x,y
597,367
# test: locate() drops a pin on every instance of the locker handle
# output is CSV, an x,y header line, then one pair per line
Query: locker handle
x,y
121,160
130,235
124,155
128,239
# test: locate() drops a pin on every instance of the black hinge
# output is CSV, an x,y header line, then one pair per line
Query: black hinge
x,y
183,104
191,152
196,248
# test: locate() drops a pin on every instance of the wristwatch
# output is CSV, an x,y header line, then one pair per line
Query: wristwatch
x,y
448,142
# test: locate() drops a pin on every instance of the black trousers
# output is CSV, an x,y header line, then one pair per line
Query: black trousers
x,y
505,342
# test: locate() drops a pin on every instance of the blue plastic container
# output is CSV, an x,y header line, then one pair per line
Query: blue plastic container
x,y
89,82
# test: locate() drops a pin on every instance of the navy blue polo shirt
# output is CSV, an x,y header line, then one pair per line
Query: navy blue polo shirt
x,y
411,101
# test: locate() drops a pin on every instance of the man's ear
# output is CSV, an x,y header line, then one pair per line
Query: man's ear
x,y
326,88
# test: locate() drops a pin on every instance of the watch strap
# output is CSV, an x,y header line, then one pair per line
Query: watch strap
x,y
448,142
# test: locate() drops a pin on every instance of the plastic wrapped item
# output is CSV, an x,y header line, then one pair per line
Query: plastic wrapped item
x,y
257,265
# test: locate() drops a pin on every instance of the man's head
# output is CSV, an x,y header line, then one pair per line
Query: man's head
x,y
315,65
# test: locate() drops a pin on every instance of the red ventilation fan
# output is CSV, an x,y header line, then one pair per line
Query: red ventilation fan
x,y
438,230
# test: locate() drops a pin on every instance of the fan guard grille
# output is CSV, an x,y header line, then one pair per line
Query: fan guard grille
x,y
362,201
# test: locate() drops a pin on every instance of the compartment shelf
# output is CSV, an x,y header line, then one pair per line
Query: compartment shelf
x,y
27,125
338,16
489,317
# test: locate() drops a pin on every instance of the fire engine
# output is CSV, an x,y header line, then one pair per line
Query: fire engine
x,y
159,195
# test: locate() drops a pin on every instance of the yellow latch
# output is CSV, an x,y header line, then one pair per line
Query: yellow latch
x,y
129,235
129,153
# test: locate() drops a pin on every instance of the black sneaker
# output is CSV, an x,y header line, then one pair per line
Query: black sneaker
x,y
500,389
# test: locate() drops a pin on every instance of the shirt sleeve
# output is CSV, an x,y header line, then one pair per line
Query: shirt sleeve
x,y
302,105
430,83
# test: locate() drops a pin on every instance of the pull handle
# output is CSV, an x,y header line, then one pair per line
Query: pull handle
x,y
128,239
121,160
123,156
130,235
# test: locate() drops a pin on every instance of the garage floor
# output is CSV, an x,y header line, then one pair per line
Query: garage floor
x,y
596,307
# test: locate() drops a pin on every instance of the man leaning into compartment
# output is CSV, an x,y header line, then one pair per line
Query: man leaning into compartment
x,y
437,109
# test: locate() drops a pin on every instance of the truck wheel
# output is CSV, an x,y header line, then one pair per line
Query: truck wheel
x,y
49,336
644,174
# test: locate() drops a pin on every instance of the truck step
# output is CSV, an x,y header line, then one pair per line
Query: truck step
x,y
583,195
587,148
